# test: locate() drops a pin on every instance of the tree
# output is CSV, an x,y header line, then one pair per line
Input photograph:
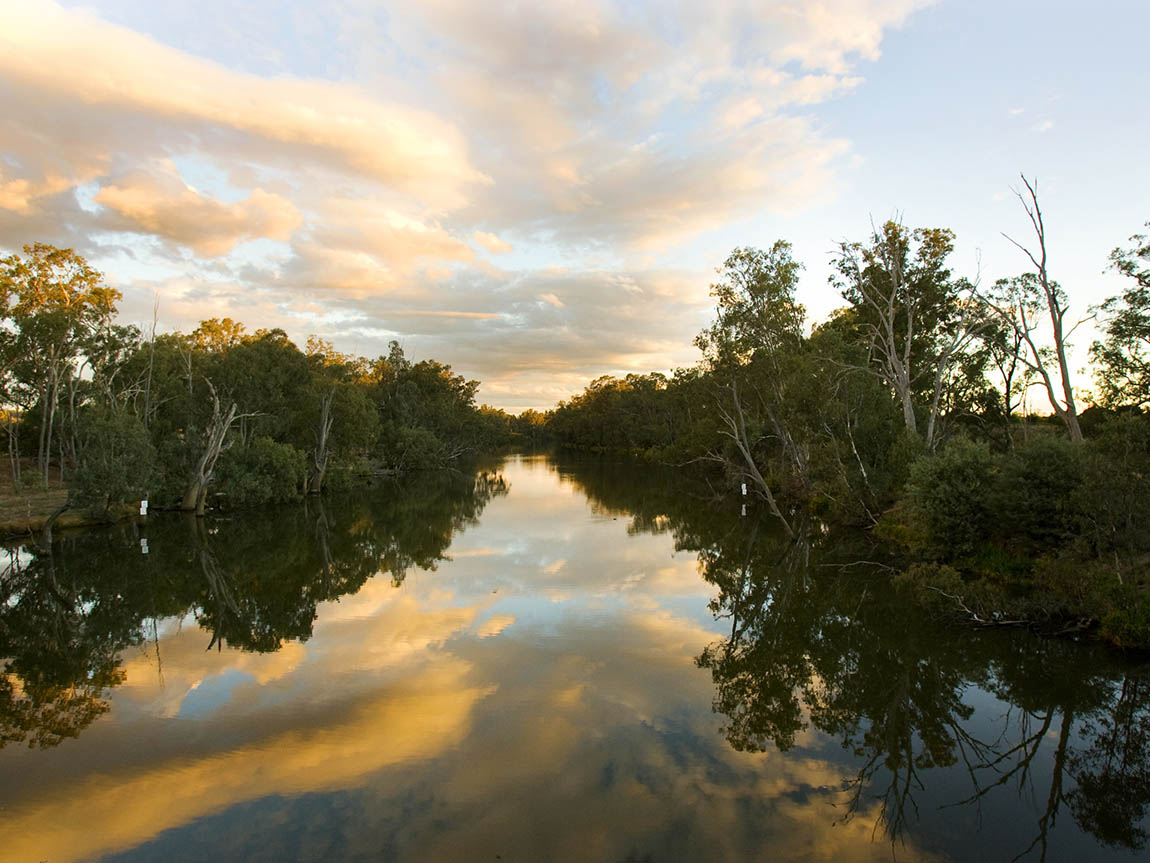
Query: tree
x,y
215,335
117,459
755,307
1019,302
321,453
1123,358
917,318
1003,346
215,441
752,344
55,304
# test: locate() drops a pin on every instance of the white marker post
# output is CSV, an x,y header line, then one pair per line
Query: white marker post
x,y
144,506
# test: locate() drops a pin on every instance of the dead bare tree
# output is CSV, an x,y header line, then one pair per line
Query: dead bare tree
x,y
1013,309
215,443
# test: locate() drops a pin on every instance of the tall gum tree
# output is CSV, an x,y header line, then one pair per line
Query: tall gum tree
x,y
757,329
918,319
1021,302
54,303
1123,357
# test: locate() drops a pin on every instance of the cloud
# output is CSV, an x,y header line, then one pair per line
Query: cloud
x,y
100,74
116,812
18,193
491,242
159,202
532,337
826,35
601,135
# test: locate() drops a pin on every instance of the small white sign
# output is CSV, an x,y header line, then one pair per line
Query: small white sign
x,y
744,489
144,506
143,545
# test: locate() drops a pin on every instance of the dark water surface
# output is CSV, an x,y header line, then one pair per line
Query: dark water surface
x,y
547,660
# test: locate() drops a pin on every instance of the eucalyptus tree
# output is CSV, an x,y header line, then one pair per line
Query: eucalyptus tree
x,y
919,321
1002,346
213,441
752,344
337,418
54,304
1123,357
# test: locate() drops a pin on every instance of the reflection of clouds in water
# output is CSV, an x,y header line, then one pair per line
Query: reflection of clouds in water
x,y
111,812
556,548
379,628
583,731
494,625
593,744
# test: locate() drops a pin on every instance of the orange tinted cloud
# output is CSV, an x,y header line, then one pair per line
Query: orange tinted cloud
x,y
75,62
160,203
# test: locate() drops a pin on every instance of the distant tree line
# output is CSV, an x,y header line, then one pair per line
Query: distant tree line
x,y
903,413
186,418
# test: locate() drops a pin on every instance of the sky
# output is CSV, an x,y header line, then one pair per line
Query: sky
x,y
539,193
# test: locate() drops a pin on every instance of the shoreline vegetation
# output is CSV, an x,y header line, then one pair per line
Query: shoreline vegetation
x,y
107,416
905,416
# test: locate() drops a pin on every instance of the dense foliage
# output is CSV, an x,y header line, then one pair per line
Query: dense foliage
x,y
901,414
216,416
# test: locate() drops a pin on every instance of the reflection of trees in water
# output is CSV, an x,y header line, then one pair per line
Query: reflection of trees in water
x,y
817,637
60,643
1113,773
69,609
842,652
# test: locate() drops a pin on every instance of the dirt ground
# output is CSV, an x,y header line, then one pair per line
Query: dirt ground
x,y
25,510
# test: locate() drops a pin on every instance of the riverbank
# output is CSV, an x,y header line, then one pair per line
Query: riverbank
x,y
26,512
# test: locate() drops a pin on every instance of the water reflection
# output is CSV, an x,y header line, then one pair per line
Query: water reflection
x,y
68,610
552,686
816,638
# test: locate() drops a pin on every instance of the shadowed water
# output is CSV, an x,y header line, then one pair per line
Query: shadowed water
x,y
543,660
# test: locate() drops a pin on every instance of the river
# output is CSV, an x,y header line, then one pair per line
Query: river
x,y
547,659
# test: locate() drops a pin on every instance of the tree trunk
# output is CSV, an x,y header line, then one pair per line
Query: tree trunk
x,y
738,433
321,456
14,450
1068,411
216,442
191,497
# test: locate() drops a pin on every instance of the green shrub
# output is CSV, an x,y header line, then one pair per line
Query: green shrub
x,y
262,472
1035,501
118,461
1129,626
948,498
1114,499
413,449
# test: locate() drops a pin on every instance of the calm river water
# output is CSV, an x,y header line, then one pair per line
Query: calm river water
x,y
548,660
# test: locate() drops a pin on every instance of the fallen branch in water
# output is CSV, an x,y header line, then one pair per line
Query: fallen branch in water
x,y
874,563
974,616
